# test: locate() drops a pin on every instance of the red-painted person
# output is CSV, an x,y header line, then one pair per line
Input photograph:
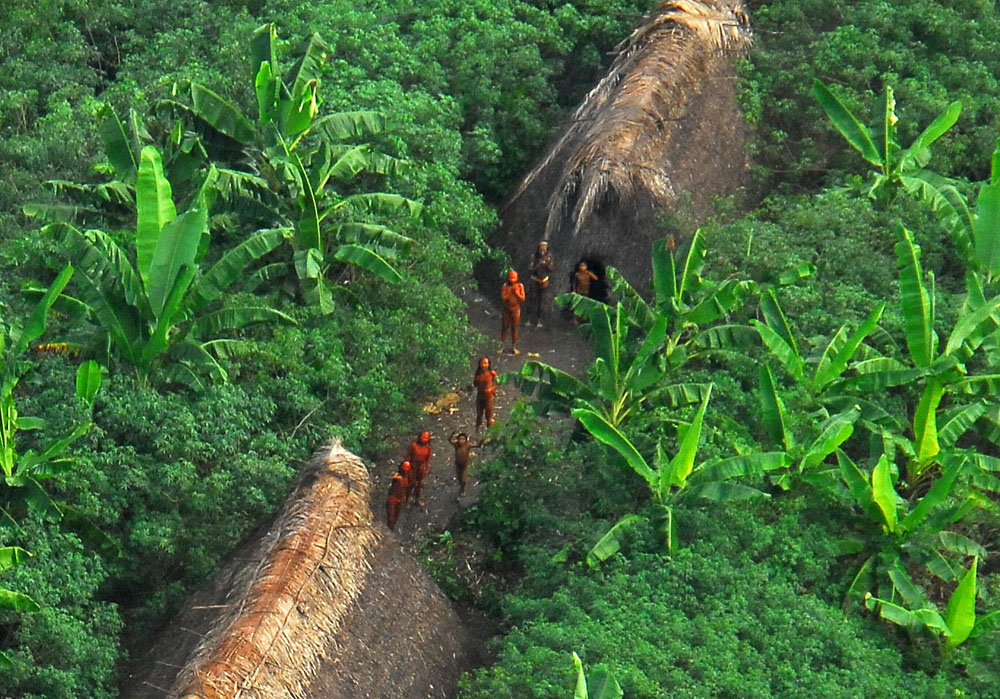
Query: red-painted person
x,y
485,382
399,490
419,454
512,296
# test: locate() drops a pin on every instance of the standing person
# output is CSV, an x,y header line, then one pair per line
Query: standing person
x,y
419,454
541,269
399,490
463,457
486,388
582,279
512,296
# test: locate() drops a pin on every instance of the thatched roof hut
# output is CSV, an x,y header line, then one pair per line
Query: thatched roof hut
x,y
661,132
301,611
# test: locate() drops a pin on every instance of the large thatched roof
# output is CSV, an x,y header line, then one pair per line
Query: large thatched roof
x,y
660,131
301,611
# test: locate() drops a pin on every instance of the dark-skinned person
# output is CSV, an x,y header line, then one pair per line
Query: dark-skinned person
x,y
511,296
580,283
541,268
419,455
485,382
399,490
463,457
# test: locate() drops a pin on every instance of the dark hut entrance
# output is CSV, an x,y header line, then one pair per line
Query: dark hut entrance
x,y
599,290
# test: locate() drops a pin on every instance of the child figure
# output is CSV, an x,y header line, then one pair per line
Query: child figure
x,y
463,457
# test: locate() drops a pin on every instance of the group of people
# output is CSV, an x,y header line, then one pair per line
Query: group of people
x,y
512,294
408,481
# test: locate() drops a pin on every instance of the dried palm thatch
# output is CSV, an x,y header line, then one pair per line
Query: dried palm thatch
x,y
281,613
615,144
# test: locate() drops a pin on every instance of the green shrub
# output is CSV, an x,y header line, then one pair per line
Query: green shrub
x,y
69,649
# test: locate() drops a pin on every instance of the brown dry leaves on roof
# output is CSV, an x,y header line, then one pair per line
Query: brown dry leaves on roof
x,y
615,143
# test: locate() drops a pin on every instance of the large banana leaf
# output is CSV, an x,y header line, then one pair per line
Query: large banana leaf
x,y
165,323
954,542
683,462
925,422
918,154
773,410
918,314
369,260
885,495
17,601
884,128
858,485
776,320
974,327
116,144
609,544
841,349
847,124
35,325
266,74
785,353
987,229
689,279
103,245
308,227
911,593
104,290
213,283
605,432
740,466
724,298
948,206
347,166
88,381
957,422
960,617
721,492
341,126
11,556
210,325
664,276
935,497
834,431
176,249
221,114
377,204
370,234
154,209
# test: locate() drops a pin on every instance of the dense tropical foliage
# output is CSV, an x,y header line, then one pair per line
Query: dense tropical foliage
x,y
785,460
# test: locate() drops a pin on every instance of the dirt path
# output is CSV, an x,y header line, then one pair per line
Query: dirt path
x,y
556,343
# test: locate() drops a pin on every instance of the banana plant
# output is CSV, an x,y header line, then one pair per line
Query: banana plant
x,y
805,458
676,480
618,382
831,360
896,167
24,474
155,312
959,622
638,344
291,160
689,304
901,532
602,685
